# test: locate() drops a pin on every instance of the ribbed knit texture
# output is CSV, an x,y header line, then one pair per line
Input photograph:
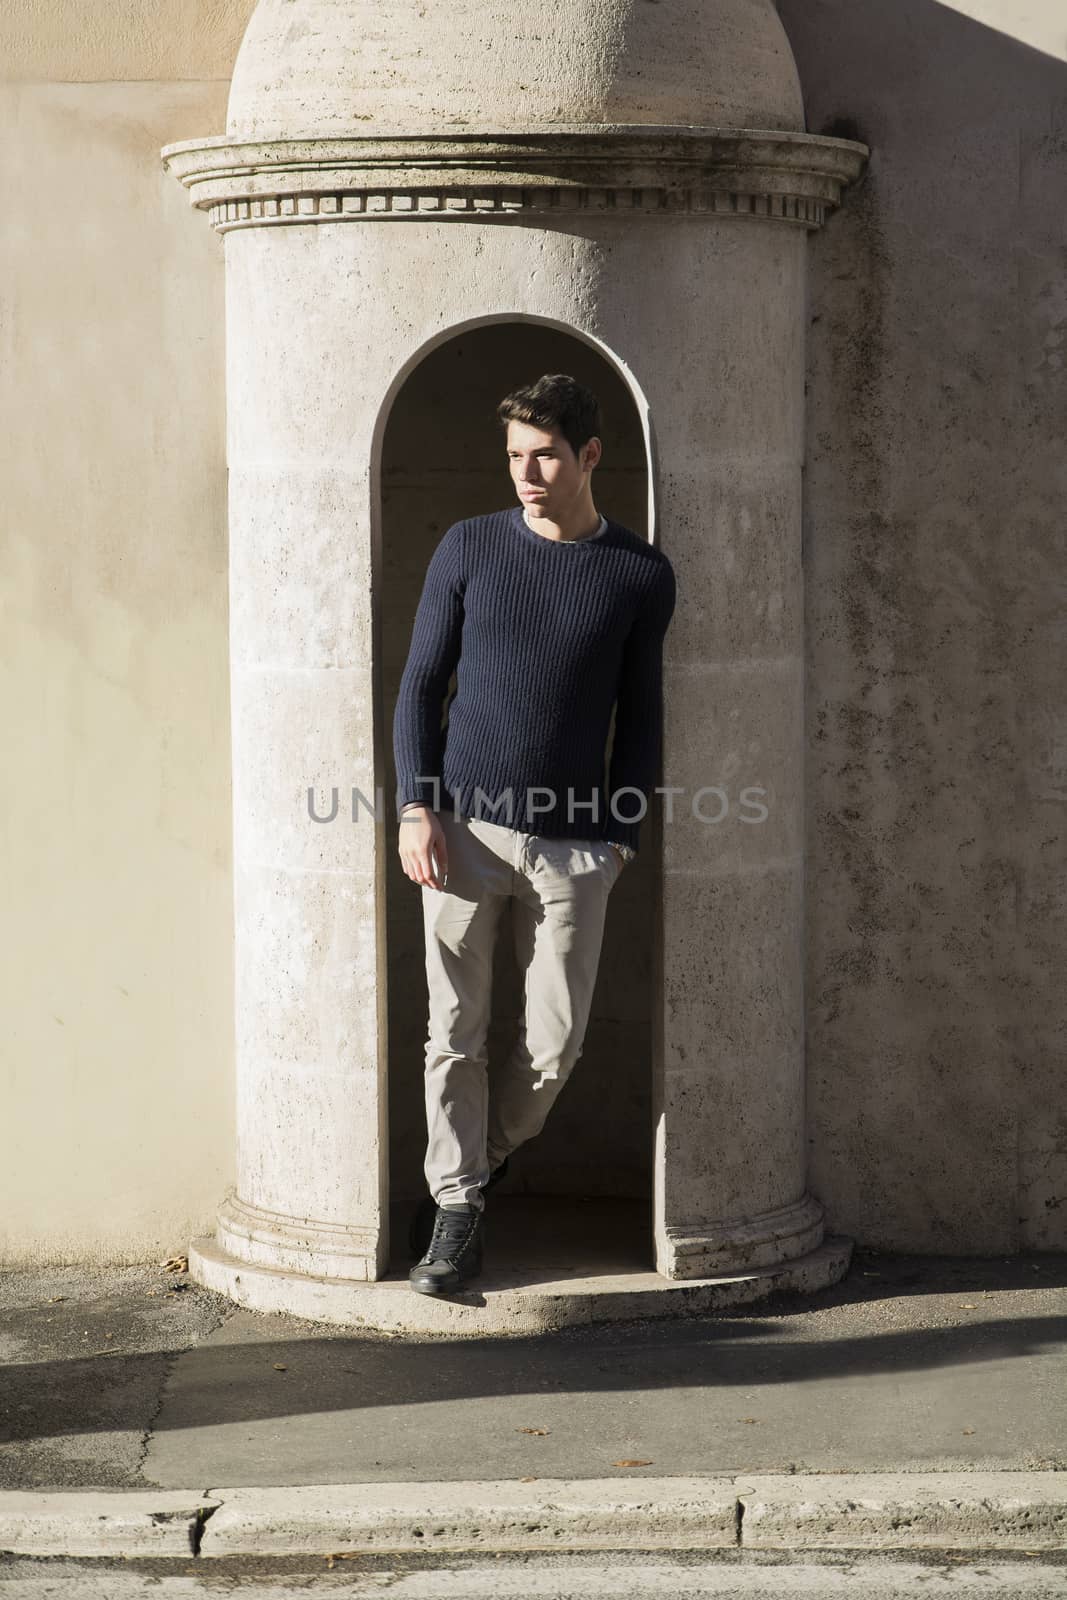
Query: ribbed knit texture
x,y
545,636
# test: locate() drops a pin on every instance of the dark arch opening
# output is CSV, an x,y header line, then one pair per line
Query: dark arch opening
x,y
442,458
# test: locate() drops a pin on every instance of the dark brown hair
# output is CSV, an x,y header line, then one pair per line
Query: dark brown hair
x,y
555,401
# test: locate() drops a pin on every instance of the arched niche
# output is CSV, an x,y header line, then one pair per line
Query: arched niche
x,y
441,457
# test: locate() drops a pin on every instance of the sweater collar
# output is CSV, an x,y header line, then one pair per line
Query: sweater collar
x,y
519,515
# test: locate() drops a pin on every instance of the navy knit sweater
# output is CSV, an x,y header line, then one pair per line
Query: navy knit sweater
x,y
545,637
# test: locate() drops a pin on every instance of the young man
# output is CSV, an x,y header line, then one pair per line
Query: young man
x,y
551,615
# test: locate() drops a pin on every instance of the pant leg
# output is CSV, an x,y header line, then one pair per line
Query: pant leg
x,y
460,924
558,918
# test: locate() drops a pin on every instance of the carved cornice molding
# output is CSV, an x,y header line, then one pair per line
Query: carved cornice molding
x,y
624,172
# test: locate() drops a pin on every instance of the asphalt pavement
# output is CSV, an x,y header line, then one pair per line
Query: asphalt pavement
x,y
946,1375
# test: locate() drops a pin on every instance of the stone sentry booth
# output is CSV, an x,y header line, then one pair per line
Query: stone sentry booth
x,y
422,205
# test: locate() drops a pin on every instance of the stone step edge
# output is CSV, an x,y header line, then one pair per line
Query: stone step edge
x,y
488,1309
811,1511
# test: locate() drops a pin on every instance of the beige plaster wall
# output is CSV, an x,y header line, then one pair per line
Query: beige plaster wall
x,y
114,41
934,559
1040,23
117,1063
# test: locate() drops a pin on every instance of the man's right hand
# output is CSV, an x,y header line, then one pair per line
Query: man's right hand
x,y
422,838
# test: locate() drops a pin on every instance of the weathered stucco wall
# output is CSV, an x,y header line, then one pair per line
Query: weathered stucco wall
x,y
1040,23
117,1072
131,41
934,558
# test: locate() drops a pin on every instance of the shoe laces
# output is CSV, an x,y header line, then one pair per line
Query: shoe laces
x,y
453,1231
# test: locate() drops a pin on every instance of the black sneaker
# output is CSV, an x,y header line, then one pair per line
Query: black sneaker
x,y
420,1230
454,1253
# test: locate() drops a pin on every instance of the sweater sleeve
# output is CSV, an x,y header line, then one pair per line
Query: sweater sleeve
x,y
637,746
418,735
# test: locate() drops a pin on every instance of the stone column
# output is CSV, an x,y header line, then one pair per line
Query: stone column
x,y
345,258
729,1087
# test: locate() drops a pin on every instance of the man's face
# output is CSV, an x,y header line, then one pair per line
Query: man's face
x,y
548,477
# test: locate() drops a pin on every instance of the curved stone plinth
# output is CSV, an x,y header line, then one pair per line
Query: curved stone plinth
x,y
765,1241
266,1238
591,1270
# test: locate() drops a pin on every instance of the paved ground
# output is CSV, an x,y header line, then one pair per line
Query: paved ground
x,y
136,1377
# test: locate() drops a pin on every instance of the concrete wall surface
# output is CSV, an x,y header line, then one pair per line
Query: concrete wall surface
x,y
1040,23
934,570
117,1068
109,41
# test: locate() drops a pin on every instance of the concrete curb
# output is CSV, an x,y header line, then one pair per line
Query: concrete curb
x,y
597,1514
929,1510
102,1522
840,1511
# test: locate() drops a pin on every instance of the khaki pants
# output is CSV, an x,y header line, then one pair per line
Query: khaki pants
x,y
558,893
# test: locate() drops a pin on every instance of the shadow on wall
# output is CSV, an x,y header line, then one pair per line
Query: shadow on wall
x,y
443,459
933,490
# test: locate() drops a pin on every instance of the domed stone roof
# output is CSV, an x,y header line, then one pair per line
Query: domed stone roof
x,y
329,68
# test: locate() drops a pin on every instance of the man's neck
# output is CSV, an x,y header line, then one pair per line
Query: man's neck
x,y
582,523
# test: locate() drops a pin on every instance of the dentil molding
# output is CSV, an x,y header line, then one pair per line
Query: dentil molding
x,y
628,171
